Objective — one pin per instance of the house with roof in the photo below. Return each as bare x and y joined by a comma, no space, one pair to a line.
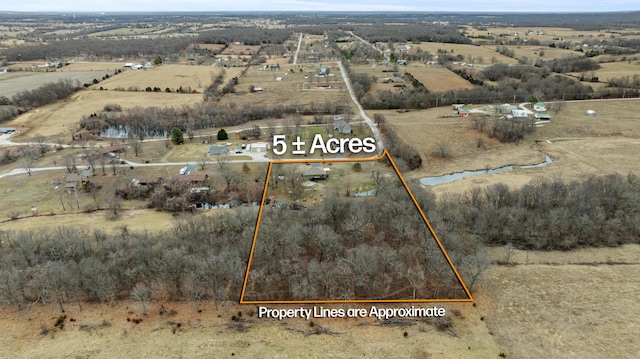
519,115
315,174
539,107
342,127
75,181
218,150
464,112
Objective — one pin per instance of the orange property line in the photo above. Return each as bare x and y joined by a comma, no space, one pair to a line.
415,202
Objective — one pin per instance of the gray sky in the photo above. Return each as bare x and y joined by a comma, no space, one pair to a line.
322,5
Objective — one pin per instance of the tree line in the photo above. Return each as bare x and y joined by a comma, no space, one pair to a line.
550,213
47,93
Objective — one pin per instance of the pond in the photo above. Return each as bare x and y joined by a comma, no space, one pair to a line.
436,180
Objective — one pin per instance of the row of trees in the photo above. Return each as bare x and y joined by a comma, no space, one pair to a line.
106,49
405,154
550,213
45,94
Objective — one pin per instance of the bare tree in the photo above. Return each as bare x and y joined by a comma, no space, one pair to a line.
137,147
141,294
29,155
70,162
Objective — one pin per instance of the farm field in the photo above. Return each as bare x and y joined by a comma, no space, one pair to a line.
164,76
586,299
619,69
580,144
13,82
471,53
533,52
436,78
56,120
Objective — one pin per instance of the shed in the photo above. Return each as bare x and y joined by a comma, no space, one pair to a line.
591,113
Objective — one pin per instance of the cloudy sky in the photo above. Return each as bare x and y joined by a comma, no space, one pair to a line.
322,5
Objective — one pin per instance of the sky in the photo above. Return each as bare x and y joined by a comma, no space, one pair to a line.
322,5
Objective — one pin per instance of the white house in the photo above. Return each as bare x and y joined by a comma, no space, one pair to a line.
539,107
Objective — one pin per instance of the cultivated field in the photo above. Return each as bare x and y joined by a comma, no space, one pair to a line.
13,82
164,76
58,119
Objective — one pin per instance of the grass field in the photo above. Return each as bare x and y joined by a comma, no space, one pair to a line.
471,53
212,334
615,70
14,82
58,119
287,91
171,76
580,304
437,78
580,144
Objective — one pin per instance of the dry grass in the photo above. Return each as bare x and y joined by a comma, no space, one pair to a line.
580,145
14,82
437,78
615,69
570,309
213,334
57,120
164,76
467,51
287,91
241,49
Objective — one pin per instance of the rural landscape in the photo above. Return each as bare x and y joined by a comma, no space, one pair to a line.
161,174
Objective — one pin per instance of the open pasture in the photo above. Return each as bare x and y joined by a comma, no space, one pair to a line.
436,78
241,49
164,76
13,82
57,120
471,53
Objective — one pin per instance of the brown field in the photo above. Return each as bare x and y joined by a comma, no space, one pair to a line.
578,304
14,82
211,46
470,52
56,120
97,66
437,79
241,49
212,334
288,91
171,76
615,70
580,144
533,52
